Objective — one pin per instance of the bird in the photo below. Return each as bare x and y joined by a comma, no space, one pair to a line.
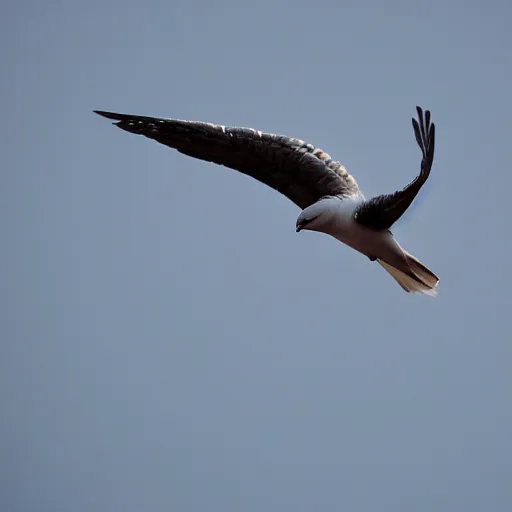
328,196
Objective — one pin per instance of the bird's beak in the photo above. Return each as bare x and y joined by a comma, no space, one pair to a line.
302,224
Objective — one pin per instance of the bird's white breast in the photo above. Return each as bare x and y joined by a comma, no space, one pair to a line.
344,228
342,213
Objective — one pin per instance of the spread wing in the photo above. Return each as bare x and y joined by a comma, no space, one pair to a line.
381,212
294,168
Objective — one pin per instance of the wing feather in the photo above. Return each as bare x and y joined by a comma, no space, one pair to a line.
298,170
381,212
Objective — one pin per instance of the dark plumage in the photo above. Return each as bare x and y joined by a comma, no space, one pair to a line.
298,170
381,212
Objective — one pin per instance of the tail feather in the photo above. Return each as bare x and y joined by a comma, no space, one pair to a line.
415,277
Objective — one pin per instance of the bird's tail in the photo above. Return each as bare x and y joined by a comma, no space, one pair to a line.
414,276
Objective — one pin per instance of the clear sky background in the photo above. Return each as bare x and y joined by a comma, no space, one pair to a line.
169,343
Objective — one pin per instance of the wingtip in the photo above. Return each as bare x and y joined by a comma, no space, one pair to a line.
108,115
421,111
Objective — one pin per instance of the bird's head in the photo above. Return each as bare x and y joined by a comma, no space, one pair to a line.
314,217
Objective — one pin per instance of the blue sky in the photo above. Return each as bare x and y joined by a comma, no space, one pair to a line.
170,343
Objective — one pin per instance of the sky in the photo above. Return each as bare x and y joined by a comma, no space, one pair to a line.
168,341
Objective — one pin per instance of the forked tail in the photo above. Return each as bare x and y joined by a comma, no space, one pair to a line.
414,277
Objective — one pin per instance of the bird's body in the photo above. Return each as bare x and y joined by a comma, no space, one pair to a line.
334,216
329,197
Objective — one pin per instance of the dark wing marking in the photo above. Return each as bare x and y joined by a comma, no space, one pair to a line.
381,212
298,170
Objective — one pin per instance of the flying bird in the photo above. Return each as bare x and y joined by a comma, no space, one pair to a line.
328,195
